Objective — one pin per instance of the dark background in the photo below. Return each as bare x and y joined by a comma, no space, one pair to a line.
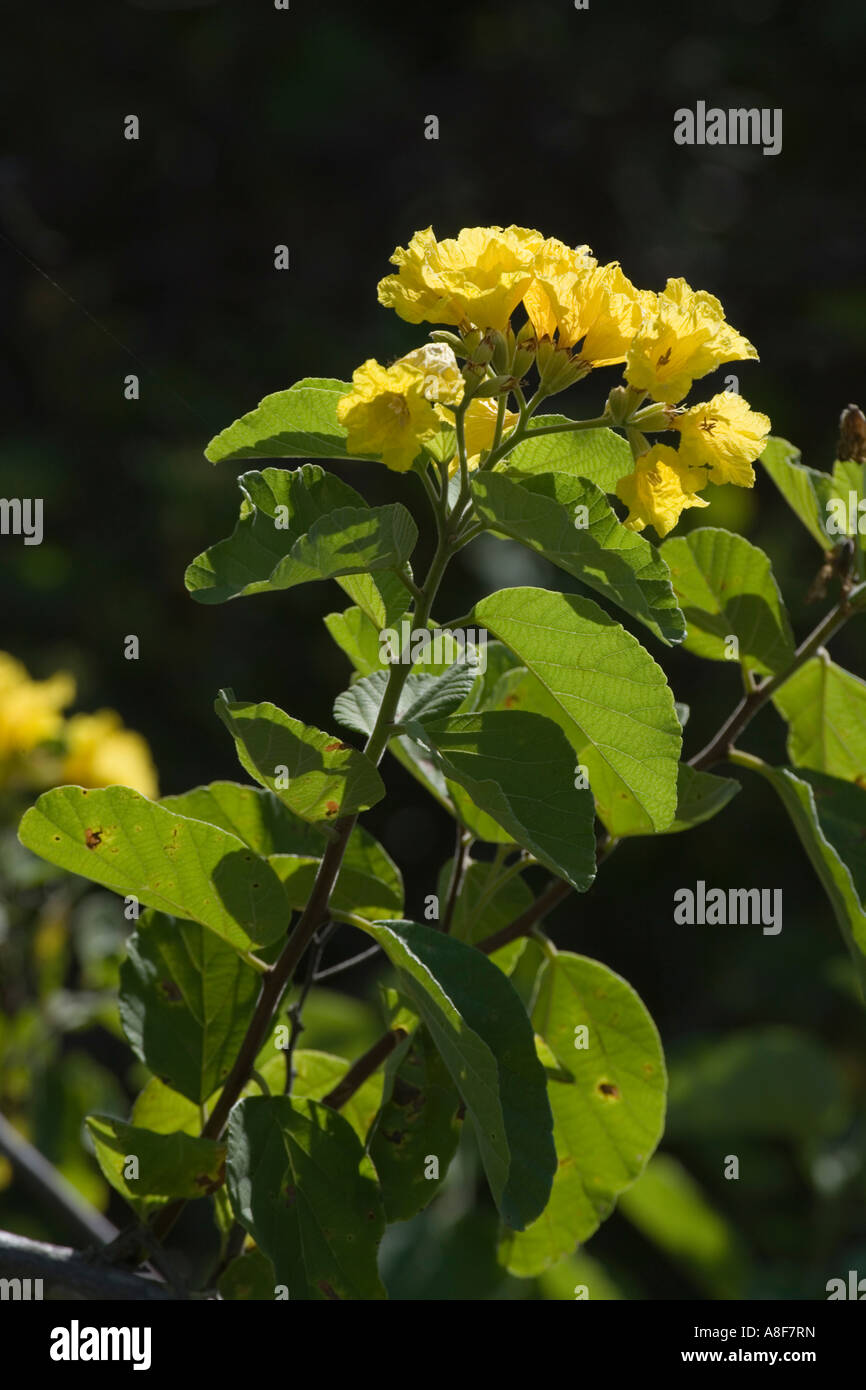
306,127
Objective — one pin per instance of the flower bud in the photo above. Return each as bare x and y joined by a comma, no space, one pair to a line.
495,385
557,368
525,347
456,344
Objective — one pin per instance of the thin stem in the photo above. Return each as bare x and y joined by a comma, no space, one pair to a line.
347,964
719,746
297,1009
359,1072
63,1268
463,841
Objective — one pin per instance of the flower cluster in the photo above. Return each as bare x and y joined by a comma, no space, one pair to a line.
579,316
39,747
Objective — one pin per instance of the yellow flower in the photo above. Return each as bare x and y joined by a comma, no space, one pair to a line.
100,752
479,429
684,336
723,436
30,710
659,490
387,413
477,279
596,306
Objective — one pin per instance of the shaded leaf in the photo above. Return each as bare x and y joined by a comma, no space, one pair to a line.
294,1181
168,1165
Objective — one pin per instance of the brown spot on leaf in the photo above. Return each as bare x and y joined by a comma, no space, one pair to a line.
607,1088
92,838
333,747
510,701
327,1290
648,1068
331,808
289,1196
394,1136
170,990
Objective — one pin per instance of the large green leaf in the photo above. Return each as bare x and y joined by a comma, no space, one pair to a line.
418,1123
186,999
829,816
519,769
184,867
541,511
293,1174
806,490
255,815
825,707
726,588
369,882
168,1165
608,1101
302,525
599,455
326,778
606,693
298,423
483,1034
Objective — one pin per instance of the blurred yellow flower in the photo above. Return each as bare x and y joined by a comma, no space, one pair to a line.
477,279
659,490
30,711
684,336
387,413
724,437
588,304
100,752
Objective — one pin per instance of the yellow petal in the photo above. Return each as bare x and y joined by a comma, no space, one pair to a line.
723,436
658,491
685,338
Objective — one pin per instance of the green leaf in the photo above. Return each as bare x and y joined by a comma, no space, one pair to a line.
294,1181
249,1277
825,707
669,1208
519,769
700,796
186,1000
302,525
418,1123
608,1101
255,815
168,1165
598,455
356,634
483,1034
298,423
118,838
828,816
806,490
760,1082
540,511
317,1073
727,589
369,882
606,693
326,778
165,1111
